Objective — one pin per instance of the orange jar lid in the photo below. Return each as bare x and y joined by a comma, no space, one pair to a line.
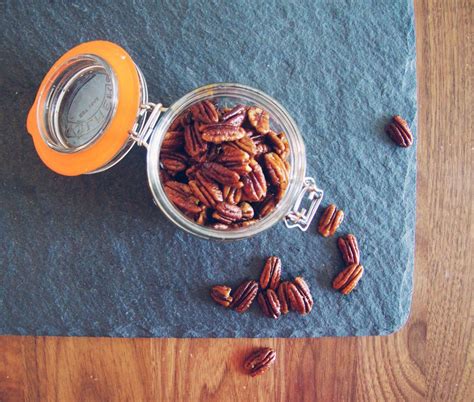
85,107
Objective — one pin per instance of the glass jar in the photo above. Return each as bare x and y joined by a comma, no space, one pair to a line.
92,107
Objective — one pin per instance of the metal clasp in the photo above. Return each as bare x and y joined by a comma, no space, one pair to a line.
299,216
146,121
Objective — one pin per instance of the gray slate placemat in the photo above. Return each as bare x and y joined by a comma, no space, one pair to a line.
92,255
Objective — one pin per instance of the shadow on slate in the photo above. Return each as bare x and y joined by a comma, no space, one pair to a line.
91,255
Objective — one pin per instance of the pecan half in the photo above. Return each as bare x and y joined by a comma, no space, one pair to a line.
174,162
267,206
232,195
259,118
400,132
349,249
330,221
227,213
234,159
181,195
260,361
201,218
244,296
173,141
283,297
269,303
271,273
245,144
194,145
206,190
205,112
347,280
235,116
245,224
219,133
221,174
299,296
221,295
277,171
255,184
247,210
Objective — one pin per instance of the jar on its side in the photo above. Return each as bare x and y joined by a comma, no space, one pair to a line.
229,95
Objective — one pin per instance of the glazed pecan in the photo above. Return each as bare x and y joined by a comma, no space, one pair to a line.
330,221
221,295
259,118
271,273
180,122
227,213
205,112
245,144
193,142
269,303
268,205
283,297
234,159
219,133
349,249
232,195
181,195
245,224
221,174
347,280
244,296
260,361
277,171
235,116
299,296
174,162
206,190
201,218
173,141
400,132
279,144
247,210
262,149
255,184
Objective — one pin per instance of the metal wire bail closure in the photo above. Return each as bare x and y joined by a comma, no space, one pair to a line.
300,217
146,122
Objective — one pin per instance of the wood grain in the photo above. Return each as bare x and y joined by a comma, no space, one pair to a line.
431,358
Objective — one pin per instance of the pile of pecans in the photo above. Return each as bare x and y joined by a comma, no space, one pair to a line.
274,298
224,167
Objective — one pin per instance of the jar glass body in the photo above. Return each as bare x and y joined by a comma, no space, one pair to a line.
226,94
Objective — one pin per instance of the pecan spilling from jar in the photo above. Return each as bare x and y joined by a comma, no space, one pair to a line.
260,361
330,221
400,132
349,249
221,295
271,273
234,165
244,296
269,303
300,297
347,280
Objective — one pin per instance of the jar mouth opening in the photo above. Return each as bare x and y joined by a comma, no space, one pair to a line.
234,94
77,103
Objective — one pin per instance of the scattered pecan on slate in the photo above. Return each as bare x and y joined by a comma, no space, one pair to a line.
283,297
330,221
271,273
400,132
269,303
221,295
300,297
347,280
349,249
259,361
244,296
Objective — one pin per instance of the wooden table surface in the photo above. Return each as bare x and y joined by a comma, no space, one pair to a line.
431,358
